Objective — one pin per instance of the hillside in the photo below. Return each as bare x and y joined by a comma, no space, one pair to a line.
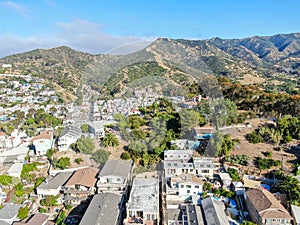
273,62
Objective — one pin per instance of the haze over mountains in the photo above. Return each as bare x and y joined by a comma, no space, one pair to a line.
168,64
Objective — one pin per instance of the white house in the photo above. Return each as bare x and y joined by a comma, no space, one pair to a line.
43,142
97,128
186,185
53,185
68,136
226,180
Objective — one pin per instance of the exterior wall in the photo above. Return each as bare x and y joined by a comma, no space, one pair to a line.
42,145
253,214
65,142
44,192
187,188
205,172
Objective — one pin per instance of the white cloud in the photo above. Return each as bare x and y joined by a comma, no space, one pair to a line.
80,35
14,6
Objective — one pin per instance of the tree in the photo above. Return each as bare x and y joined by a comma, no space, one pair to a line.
63,163
49,200
100,156
78,160
234,174
84,145
5,179
110,140
84,128
290,186
50,153
125,156
23,212
19,189
38,181
188,120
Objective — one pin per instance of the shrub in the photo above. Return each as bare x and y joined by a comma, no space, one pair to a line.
234,174
23,212
254,138
42,210
100,156
238,159
78,160
125,156
268,154
266,163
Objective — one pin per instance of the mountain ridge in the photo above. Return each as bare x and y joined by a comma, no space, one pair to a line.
250,60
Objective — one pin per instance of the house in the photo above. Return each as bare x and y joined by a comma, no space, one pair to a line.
265,209
177,162
9,212
68,136
43,142
295,210
36,219
53,185
204,166
143,204
225,180
12,141
103,209
214,212
97,128
80,186
15,170
114,176
187,214
186,185
181,155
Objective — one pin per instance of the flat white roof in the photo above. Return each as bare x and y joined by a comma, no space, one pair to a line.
15,168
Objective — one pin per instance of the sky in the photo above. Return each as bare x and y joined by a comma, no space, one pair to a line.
119,27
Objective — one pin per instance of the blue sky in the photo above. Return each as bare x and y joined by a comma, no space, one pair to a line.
101,26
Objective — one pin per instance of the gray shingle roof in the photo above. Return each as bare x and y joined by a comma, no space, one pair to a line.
119,168
55,182
9,211
103,209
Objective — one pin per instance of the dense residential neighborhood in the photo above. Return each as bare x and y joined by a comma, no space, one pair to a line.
144,159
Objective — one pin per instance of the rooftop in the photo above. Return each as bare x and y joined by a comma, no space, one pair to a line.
266,204
103,209
214,212
119,168
44,135
36,219
144,195
85,177
9,211
55,182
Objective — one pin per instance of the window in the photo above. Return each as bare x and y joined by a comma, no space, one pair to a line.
189,186
188,191
196,186
182,186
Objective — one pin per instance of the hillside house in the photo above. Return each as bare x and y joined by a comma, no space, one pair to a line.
68,136
80,186
265,209
43,142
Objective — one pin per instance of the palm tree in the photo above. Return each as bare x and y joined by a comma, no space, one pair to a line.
110,140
